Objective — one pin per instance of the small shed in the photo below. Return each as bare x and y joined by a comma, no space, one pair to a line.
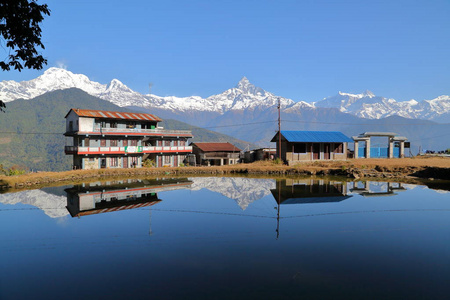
300,146
216,154
260,154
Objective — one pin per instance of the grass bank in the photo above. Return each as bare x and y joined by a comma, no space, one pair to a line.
421,167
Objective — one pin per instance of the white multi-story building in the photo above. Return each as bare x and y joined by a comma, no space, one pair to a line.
107,139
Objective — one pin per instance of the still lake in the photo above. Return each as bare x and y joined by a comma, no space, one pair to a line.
226,238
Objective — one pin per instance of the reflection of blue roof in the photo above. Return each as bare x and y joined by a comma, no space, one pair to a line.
315,200
315,136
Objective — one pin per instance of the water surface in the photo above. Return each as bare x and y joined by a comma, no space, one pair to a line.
226,238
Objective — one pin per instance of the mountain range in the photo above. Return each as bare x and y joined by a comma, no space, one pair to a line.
244,112
244,96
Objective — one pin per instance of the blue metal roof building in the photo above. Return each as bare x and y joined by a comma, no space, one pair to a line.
297,146
313,136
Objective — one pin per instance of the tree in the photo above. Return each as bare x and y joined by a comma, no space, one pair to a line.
20,30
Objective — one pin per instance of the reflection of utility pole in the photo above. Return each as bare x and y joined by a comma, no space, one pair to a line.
278,209
150,232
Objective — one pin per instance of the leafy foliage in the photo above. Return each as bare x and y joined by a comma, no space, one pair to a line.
19,26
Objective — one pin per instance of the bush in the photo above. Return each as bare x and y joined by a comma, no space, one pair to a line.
14,170
277,161
149,163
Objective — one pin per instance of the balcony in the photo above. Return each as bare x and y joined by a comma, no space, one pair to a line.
126,150
219,155
133,131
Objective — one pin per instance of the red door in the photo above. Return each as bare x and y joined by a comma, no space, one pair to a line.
159,161
125,162
326,151
316,151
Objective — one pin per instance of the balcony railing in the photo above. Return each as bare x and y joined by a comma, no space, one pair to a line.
127,149
139,130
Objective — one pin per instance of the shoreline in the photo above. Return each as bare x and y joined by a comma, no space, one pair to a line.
405,169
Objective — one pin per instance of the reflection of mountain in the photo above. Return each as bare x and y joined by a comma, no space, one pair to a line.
54,206
243,190
296,191
102,197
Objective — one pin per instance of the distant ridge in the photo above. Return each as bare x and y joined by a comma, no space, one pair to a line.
244,96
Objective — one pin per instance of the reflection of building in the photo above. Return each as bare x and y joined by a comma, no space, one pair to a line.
108,139
216,154
101,197
298,146
290,191
363,188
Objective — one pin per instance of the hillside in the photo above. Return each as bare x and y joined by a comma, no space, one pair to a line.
31,133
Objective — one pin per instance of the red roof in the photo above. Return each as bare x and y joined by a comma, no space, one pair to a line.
216,147
102,114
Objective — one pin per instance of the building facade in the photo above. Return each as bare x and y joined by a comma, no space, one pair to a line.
216,154
300,146
105,139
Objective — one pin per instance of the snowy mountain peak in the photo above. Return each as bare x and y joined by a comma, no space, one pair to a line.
369,94
243,83
246,87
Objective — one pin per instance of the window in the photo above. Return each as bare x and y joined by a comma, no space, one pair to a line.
125,143
167,159
113,162
159,143
133,142
113,143
131,124
175,143
102,143
182,143
338,148
300,148
166,143
113,124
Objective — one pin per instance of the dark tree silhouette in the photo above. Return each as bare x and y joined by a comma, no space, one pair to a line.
21,34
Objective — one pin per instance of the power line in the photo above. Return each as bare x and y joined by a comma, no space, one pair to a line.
243,124
358,124
12,132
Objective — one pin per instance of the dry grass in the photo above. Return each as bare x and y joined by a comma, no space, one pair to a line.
414,162
404,165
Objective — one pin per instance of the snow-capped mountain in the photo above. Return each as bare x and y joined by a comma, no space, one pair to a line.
367,105
243,97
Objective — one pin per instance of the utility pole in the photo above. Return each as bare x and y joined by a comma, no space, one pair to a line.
279,128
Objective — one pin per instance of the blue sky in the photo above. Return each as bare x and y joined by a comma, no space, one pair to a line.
303,50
